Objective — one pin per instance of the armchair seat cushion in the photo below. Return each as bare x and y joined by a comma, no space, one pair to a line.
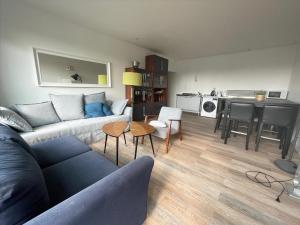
162,132
68,177
56,150
156,123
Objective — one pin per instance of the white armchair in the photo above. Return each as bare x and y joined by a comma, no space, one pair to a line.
167,124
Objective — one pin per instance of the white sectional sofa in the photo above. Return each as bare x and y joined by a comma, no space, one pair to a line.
82,116
87,130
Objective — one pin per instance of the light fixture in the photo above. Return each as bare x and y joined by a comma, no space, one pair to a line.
132,79
102,79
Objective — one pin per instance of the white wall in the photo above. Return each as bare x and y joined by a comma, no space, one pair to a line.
294,90
266,69
294,86
23,27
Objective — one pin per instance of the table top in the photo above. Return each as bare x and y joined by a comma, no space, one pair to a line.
268,101
115,129
141,129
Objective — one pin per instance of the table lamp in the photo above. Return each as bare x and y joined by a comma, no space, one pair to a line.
132,79
102,79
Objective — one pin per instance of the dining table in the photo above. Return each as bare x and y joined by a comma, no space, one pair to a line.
258,105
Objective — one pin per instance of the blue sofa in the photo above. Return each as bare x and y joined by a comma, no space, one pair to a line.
62,181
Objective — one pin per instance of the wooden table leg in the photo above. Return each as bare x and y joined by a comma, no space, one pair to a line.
136,145
117,150
105,143
151,144
124,138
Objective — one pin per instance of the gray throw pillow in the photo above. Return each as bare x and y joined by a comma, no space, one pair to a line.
68,107
97,97
38,114
118,106
14,120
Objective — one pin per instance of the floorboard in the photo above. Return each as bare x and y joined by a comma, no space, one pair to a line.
202,181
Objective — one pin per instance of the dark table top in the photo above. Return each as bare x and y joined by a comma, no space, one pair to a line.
268,101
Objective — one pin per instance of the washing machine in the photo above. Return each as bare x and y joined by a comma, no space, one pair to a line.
209,106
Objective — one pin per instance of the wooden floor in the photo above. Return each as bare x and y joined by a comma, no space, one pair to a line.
202,181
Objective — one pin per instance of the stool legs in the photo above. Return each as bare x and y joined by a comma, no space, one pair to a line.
249,131
227,134
258,137
219,119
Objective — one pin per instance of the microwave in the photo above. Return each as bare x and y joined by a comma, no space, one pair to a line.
277,94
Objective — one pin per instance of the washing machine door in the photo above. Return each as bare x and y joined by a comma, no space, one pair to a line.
209,106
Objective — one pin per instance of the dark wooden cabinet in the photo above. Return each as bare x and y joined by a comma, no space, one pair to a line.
156,64
152,95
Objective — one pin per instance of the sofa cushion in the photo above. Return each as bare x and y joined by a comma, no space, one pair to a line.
118,106
94,110
106,109
23,193
59,149
71,176
68,107
87,130
14,120
7,133
97,97
38,114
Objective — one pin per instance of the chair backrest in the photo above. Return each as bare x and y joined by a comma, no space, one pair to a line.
284,116
241,111
167,113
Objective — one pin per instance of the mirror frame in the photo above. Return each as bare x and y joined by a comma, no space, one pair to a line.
40,83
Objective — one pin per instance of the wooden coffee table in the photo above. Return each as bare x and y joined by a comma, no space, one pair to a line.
115,129
140,129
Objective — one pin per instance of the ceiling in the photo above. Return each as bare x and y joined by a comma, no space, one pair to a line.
184,29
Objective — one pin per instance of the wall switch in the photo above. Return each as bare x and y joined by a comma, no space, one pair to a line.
196,78
69,68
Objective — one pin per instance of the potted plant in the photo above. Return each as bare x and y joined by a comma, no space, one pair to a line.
260,95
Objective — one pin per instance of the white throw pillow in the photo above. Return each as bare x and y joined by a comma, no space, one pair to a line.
156,123
14,120
38,114
118,106
68,107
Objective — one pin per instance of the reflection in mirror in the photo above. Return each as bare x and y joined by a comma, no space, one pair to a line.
56,69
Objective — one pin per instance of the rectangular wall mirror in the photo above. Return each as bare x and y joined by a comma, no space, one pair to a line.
62,70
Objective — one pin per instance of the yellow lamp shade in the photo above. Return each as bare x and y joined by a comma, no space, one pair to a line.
102,79
131,78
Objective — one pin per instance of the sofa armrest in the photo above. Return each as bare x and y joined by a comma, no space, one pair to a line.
128,112
119,198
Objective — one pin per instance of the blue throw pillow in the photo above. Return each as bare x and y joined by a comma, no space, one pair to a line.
93,110
106,109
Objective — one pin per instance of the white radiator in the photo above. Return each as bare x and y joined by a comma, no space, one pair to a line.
189,103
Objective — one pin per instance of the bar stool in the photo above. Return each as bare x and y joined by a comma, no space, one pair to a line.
283,117
240,112
220,114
